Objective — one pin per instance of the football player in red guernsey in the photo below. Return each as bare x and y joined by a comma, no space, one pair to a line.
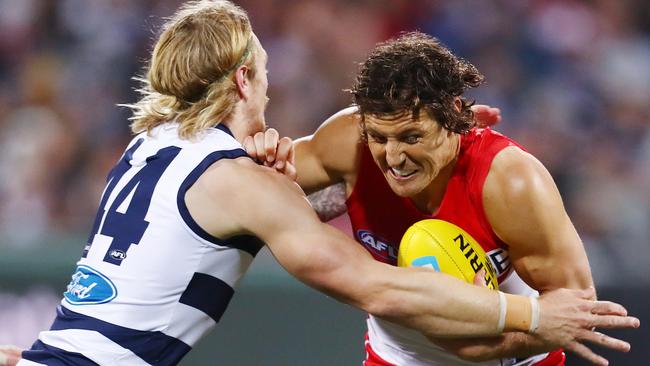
409,150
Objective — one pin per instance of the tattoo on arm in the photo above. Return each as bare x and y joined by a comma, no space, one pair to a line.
329,202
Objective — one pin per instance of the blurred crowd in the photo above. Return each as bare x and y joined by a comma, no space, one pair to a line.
572,79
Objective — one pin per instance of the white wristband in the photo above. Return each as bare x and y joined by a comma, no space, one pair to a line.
534,318
503,305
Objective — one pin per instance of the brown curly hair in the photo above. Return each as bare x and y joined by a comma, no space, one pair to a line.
412,72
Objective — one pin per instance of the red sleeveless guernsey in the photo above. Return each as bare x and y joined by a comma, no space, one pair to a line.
379,218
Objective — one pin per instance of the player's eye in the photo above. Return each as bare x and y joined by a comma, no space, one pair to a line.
377,138
412,139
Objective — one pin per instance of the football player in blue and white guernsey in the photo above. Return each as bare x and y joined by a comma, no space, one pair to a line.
185,211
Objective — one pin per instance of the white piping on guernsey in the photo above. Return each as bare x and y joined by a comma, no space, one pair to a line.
96,346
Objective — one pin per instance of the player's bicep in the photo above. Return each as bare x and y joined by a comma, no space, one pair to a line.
312,174
284,219
525,209
330,155
312,251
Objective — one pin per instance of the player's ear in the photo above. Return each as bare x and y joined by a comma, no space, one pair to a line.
458,104
242,81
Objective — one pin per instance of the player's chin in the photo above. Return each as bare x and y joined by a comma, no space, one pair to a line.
404,188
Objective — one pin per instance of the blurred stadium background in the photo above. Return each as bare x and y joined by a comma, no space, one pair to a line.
571,77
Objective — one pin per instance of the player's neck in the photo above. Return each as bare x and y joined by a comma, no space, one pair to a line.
238,131
238,124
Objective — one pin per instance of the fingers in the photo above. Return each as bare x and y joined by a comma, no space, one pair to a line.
479,278
255,146
264,147
9,355
290,171
258,140
12,350
485,115
608,308
271,137
584,352
613,321
13,360
284,153
269,149
291,156
606,341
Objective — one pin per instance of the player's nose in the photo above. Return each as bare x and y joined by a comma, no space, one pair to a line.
395,157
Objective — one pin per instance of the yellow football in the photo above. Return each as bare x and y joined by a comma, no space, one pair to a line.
446,248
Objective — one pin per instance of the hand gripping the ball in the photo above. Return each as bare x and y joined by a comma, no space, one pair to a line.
568,319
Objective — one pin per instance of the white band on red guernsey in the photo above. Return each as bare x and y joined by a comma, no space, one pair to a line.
503,306
534,318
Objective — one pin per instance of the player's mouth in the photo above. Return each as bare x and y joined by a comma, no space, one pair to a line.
401,174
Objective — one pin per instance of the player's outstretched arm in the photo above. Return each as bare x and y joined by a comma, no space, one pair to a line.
255,200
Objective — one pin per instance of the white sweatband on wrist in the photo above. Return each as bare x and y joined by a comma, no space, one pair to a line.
503,305
534,317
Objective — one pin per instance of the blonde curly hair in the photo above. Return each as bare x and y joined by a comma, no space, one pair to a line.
189,78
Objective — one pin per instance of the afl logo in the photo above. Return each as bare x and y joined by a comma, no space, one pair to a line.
118,255
377,246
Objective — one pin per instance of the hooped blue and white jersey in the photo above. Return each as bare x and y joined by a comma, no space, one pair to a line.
150,282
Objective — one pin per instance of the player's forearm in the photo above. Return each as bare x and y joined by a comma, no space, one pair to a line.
436,304
439,305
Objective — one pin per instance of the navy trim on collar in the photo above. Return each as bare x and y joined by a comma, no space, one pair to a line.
247,243
225,129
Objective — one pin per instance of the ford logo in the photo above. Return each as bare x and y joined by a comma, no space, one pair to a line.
89,287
